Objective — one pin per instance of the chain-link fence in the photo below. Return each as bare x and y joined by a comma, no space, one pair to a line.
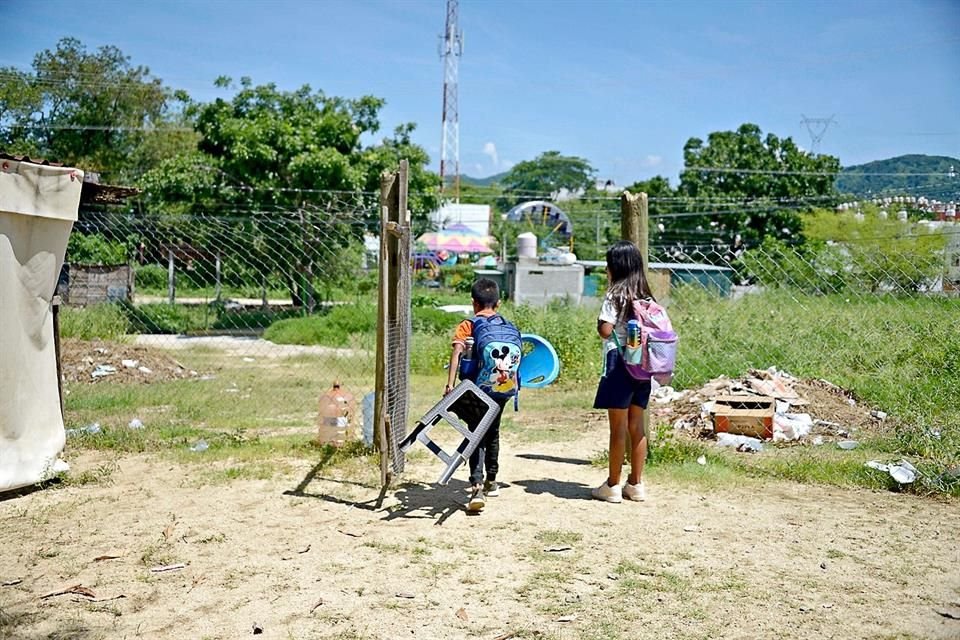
248,316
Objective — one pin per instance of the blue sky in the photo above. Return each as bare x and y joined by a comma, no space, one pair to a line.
622,84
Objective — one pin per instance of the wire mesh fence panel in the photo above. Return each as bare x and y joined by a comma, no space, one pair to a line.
229,320
782,306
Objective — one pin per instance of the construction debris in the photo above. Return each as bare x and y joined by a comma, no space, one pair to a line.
766,403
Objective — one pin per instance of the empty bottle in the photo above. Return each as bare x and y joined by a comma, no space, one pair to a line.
336,416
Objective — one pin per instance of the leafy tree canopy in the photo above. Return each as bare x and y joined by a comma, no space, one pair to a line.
765,174
547,173
94,110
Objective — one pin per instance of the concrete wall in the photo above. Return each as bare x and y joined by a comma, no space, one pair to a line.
531,283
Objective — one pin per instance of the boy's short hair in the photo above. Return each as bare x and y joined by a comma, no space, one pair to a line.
486,293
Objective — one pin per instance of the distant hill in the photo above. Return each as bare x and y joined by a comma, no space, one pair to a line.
940,187
483,182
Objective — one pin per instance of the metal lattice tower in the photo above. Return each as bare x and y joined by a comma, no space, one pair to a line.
817,128
451,48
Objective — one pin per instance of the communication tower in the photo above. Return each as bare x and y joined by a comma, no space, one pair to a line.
451,48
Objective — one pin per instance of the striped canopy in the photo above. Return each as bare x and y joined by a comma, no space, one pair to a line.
457,238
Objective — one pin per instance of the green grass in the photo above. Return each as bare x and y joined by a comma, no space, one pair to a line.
901,355
99,322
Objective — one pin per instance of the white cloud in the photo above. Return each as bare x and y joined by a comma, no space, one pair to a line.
490,149
652,161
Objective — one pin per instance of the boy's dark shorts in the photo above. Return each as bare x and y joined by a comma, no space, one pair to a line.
618,389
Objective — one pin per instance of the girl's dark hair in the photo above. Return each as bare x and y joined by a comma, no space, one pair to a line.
628,281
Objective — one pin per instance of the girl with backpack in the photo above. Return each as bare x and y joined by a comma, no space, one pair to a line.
624,397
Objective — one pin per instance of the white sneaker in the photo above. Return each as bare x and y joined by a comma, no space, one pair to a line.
607,493
636,492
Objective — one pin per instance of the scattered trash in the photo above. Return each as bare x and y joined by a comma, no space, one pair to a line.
691,529
662,395
102,370
318,604
569,618
739,442
557,549
248,359
817,441
902,472
702,460
848,445
791,426
879,415
851,402
199,445
168,567
144,370
823,565
404,594
10,583
90,429
257,629
77,589
352,534
102,558
947,613
462,614
130,364
207,377
612,576
135,424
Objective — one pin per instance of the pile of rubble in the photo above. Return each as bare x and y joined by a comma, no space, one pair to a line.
799,410
97,361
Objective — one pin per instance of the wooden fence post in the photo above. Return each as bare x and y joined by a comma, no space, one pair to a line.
634,227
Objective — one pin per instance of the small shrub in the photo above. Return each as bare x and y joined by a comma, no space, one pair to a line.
105,321
95,249
150,277
332,329
434,321
165,318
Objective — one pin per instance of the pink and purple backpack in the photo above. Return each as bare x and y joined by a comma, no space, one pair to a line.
656,355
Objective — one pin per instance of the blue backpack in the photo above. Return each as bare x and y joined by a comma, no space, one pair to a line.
497,351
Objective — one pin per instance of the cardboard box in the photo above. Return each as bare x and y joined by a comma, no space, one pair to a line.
744,415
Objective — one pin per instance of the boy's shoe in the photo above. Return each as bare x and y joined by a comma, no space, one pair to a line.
491,489
607,493
636,492
477,501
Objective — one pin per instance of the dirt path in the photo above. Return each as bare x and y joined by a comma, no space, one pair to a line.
311,557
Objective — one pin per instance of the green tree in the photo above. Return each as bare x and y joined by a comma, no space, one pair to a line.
283,163
749,184
546,174
94,110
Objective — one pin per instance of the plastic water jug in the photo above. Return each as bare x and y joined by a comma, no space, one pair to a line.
335,422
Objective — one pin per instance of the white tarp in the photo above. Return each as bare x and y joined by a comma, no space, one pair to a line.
38,206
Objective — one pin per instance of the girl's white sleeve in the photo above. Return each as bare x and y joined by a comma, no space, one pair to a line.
608,312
